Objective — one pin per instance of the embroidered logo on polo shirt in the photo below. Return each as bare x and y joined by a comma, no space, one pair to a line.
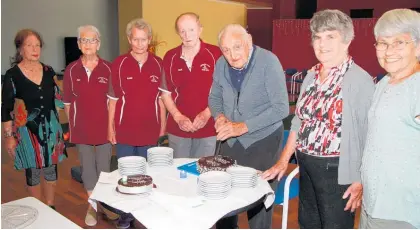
205,67
129,78
78,79
179,70
103,80
153,78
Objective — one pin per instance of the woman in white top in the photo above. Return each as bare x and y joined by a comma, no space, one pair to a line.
391,159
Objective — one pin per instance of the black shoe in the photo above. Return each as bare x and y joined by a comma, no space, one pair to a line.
52,206
123,224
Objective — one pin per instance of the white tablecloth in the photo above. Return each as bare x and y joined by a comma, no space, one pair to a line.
175,203
47,217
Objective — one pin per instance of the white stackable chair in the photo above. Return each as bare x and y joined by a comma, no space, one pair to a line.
286,192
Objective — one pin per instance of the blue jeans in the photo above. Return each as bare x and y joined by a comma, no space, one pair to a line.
124,150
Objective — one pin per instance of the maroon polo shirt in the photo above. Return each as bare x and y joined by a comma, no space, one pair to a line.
137,115
190,88
88,102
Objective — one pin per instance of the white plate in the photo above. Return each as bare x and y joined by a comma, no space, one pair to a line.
213,188
17,216
244,180
133,171
241,170
160,151
132,168
214,185
133,164
131,159
160,165
161,160
215,177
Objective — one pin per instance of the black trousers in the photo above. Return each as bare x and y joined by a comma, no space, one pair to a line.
261,155
320,196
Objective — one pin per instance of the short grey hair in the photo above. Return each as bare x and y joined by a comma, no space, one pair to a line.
91,28
398,21
232,28
329,20
140,24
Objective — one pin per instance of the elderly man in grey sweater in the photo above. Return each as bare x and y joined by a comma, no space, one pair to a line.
248,101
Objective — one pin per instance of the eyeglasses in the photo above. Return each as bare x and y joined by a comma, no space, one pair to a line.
88,40
398,45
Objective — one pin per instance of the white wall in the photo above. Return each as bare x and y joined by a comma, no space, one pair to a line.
54,20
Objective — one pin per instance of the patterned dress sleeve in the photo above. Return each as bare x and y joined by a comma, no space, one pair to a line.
7,98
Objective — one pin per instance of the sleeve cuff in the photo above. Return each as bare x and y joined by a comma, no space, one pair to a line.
66,103
112,98
250,126
164,90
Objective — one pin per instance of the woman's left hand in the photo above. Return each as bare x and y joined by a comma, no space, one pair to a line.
355,191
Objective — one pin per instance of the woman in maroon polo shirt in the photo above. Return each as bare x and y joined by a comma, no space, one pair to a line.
137,117
86,92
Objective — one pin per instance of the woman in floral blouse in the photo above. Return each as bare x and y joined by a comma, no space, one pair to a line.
32,132
329,128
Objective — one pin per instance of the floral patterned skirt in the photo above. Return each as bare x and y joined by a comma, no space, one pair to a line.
41,146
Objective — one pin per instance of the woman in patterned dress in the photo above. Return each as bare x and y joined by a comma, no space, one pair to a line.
329,128
32,132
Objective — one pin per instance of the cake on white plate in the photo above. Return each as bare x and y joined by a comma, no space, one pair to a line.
135,184
214,163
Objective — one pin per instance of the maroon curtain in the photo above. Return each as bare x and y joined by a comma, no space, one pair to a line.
292,44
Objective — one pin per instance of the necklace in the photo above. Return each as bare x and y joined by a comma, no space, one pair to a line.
30,69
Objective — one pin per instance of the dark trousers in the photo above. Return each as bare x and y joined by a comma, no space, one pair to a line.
261,155
320,196
124,150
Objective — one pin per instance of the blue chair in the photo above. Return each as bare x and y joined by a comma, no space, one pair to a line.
291,71
288,188
304,72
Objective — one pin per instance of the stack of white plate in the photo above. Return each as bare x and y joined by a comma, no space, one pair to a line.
243,177
214,185
160,156
17,216
132,165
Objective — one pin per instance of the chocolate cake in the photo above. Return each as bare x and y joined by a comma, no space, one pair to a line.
214,163
135,184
